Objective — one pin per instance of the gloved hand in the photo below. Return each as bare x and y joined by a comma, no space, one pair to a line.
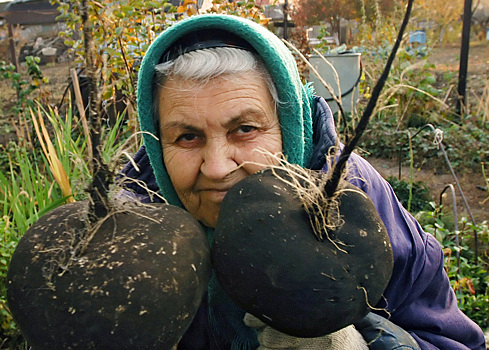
382,334
347,338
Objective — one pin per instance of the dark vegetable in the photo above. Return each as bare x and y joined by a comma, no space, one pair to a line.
134,280
269,260
98,276
305,267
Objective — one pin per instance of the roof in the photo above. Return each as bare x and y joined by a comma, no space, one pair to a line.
30,12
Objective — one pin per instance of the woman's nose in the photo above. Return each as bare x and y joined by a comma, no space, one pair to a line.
218,161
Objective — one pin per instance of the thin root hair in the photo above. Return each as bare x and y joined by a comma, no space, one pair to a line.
323,211
373,307
151,193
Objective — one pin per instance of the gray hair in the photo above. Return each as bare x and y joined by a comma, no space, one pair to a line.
206,64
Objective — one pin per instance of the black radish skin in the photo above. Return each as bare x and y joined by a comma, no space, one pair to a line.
269,261
137,283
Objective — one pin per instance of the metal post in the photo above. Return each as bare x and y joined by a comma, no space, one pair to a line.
286,15
464,59
13,55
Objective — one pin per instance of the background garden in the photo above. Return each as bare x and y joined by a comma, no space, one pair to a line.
434,154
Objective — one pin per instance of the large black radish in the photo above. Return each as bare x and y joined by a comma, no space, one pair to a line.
102,274
133,280
306,253
274,263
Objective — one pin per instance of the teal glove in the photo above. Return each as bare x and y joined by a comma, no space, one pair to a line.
382,334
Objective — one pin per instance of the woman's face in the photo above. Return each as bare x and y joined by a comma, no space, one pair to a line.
209,132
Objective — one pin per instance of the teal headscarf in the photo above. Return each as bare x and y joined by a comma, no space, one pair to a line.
295,115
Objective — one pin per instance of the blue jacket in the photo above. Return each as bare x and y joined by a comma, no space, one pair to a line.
419,297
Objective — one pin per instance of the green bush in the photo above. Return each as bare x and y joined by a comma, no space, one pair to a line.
468,277
20,205
414,197
24,88
467,146
416,94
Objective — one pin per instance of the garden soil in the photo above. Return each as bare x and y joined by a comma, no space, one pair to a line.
445,58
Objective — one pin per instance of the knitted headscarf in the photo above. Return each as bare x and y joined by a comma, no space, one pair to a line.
295,116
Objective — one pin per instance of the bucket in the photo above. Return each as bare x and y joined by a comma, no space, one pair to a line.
417,37
49,51
348,68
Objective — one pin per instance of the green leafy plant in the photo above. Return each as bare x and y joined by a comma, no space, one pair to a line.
57,157
64,149
123,34
486,180
469,278
21,204
415,197
23,87
467,145
27,87
246,8
10,336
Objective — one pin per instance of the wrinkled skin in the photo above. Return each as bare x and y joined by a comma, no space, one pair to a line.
211,135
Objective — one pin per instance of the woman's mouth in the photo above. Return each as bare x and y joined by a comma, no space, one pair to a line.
215,195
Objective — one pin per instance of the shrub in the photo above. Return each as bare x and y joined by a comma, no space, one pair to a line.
468,277
414,197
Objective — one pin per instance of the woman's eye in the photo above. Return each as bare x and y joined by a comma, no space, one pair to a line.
243,129
188,137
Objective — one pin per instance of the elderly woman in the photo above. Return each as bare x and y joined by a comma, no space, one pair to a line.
214,89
